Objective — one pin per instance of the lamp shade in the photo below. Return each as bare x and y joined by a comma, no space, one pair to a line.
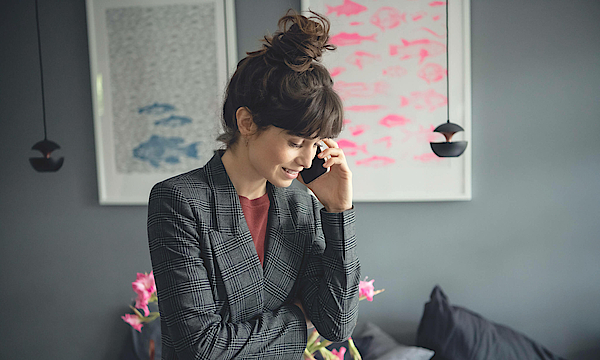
448,148
46,163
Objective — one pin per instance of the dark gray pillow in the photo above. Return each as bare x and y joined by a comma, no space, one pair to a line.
372,341
375,344
456,333
403,352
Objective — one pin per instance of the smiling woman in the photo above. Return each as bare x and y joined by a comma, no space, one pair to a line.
243,262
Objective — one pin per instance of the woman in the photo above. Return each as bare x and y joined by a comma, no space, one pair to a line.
243,264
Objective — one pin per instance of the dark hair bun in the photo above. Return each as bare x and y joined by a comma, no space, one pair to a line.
284,85
299,41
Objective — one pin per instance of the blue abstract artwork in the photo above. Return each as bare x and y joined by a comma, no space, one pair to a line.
162,57
173,121
156,109
160,149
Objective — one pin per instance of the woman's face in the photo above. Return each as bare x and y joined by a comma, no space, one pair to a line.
278,156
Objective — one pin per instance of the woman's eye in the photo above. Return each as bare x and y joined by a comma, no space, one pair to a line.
292,144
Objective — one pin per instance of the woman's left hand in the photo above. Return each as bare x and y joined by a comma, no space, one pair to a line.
333,189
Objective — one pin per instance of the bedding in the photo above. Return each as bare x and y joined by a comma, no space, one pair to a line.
456,333
375,344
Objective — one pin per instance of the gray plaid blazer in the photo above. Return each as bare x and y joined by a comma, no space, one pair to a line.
216,300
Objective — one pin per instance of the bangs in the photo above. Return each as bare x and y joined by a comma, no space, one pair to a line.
322,118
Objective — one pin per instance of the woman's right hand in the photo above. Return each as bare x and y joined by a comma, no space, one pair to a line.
333,189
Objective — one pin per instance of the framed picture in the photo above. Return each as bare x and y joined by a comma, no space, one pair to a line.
158,69
390,70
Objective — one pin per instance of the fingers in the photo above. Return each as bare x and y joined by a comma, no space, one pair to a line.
335,159
332,149
333,154
330,143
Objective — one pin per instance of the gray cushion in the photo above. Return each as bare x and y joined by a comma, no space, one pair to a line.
456,333
375,344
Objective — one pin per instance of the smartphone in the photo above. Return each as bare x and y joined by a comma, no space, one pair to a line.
315,170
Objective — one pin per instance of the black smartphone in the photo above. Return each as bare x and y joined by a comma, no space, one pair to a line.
315,170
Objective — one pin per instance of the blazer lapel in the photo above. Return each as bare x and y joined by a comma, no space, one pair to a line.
234,250
284,250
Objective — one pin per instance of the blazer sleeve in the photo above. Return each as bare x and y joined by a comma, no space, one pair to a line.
329,288
186,302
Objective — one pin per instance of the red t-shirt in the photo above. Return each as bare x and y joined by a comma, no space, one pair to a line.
256,212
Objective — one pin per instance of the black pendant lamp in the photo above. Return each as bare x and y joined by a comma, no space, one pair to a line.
46,147
448,129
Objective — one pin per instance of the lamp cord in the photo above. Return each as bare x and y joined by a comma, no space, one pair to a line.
37,21
447,68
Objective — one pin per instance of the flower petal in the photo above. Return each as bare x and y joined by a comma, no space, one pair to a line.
339,353
134,321
366,289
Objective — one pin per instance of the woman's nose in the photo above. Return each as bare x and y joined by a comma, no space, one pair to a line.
306,158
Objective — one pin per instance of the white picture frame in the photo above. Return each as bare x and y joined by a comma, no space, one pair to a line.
394,163
158,73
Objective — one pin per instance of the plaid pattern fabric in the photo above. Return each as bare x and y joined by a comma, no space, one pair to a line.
216,300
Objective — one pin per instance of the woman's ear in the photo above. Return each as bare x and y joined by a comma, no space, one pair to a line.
245,124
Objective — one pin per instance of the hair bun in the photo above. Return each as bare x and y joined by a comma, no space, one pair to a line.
299,41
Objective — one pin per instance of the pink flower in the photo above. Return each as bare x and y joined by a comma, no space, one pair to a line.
133,320
144,286
366,289
340,353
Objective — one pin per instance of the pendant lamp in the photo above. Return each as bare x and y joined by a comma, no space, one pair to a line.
46,147
448,148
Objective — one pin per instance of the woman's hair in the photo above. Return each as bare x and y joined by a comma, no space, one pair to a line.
284,84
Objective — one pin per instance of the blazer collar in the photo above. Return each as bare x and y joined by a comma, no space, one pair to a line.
282,243
230,216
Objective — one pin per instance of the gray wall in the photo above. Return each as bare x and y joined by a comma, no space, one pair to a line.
524,252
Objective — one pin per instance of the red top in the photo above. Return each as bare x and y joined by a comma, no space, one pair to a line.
256,212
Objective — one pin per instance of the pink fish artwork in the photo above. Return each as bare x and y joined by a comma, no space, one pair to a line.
387,18
376,161
359,89
358,129
432,73
418,15
428,99
351,148
423,134
355,23
427,157
436,17
422,49
336,71
387,140
394,71
437,3
345,39
393,120
364,108
441,36
348,8
362,58
346,121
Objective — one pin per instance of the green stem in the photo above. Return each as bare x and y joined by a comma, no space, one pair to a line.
307,355
353,350
327,354
320,345
312,338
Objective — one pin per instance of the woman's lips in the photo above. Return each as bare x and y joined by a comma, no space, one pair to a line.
292,174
